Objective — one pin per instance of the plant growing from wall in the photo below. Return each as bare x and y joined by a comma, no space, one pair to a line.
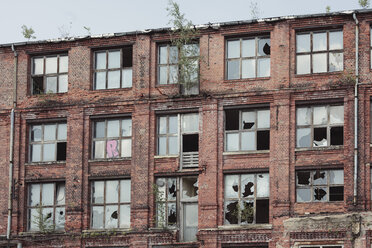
159,218
43,222
364,3
28,32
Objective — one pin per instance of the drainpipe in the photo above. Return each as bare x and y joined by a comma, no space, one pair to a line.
11,142
356,108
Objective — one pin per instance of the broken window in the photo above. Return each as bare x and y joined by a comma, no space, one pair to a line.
110,204
247,199
319,126
112,138
178,208
46,206
113,68
319,52
247,130
49,74
320,185
48,142
248,58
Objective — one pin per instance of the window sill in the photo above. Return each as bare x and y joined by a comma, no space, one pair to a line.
107,231
46,163
244,80
246,152
114,89
324,148
318,74
33,233
109,159
166,85
246,227
166,156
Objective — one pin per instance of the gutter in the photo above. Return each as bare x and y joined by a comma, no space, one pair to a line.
356,108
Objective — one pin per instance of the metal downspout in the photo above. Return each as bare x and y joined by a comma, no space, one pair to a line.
356,108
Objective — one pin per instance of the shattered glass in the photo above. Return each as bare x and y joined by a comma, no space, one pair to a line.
189,188
263,185
172,189
172,214
36,133
303,116
111,216
320,137
247,184
97,217
232,212
303,137
263,47
248,120
231,186
336,62
48,217
303,178
320,194
60,218
247,212
320,177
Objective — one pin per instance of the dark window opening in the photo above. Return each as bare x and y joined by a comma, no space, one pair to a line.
127,56
247,212
232,119
263,140
336,193
190,142
232,213
303,178
337,135
262,208
248,189
320,136
38,85
61,151
319,194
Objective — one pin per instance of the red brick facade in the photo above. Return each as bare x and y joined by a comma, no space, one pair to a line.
291,223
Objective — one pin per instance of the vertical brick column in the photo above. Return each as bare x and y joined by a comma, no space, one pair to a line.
141,66
140,167
74,170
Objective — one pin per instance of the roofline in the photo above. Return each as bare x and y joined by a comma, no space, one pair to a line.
202,26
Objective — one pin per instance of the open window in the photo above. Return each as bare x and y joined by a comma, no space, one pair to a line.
48,142
319,126
246,199
113,68
177,205
49,74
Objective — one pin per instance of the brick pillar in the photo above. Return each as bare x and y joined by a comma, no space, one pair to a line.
141,66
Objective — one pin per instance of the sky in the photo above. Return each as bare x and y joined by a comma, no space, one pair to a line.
52,19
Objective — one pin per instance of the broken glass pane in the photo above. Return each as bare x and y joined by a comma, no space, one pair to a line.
303,195
63,64
336,115
125,190
172,214
51,85
263,67
173,55
49,152
36,133
248,68
100,80
51,65
263,119
126,127
113,80
62,131
161,191
113,128
99,148
303,116
112,191
263,185
247,211
249,48
162,146
34,197
49,132
161,213
233,49
232,212
231,186
303,64
112,148
101,60
189,188
60,198
48,217
98,192
319,62
336,177
126,148
232,140
303,137
173,124
114,59
60,218
320,137
319,41
111,216
247,185
38,66
336,62
336,40
173,74
163,72
248,141
97,218
35,153
62,83
47,194
320,177
303,178
190,123
173,145
124,216
127,78
320,194
233,69
320,115
302,44
248,120
172,189
263,47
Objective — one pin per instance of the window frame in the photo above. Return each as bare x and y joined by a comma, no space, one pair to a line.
55,205
106,70
311,185
328,125
256,57
328,51
45,75
240,199
104,139
104,204
242,130
42,142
